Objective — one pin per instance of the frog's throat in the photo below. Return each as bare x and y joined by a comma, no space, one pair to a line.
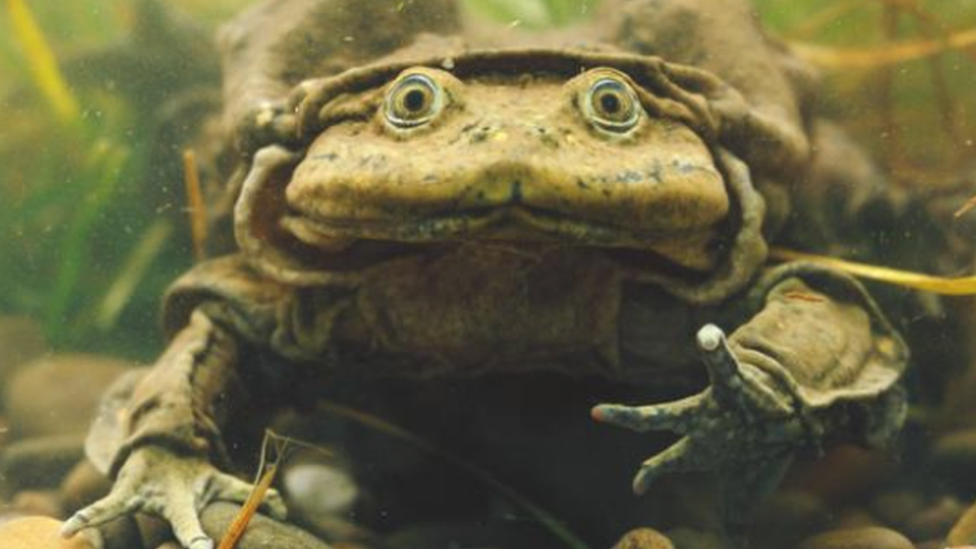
275,250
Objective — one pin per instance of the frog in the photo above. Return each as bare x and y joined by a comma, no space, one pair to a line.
421,197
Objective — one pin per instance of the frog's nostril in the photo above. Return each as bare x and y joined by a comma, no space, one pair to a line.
481,133
545,135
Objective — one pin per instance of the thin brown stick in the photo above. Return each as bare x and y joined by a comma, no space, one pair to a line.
935,27
265,477
966,208
237,528
891,136
197,207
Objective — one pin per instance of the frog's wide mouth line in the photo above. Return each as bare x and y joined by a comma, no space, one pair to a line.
509,223
375,243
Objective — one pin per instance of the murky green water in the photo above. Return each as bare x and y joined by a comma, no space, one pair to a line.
103,100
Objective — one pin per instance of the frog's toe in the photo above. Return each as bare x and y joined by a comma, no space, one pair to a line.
679,416
107,509
724,370
224,487
740,383
179,511
677,457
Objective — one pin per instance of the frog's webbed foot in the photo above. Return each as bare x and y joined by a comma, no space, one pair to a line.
176,488
743,427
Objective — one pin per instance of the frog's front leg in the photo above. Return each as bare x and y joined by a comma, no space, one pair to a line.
171,427
817,361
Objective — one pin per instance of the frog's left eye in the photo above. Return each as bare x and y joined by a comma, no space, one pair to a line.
612,105
414,101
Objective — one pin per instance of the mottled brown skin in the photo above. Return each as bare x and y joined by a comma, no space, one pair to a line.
508,219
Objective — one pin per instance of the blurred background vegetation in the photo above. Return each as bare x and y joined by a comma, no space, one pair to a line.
93,216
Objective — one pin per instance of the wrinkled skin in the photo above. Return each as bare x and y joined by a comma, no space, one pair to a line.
446,207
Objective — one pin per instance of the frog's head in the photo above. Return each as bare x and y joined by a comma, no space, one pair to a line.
531,149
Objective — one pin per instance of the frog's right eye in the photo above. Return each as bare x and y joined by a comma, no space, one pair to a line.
413,101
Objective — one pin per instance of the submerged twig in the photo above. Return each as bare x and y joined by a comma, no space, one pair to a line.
886,94
935,28
196,205
266,475
965,208
891,54
267,469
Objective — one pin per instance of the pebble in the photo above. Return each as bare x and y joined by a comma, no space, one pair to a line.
38,463
842,474
22,340
855,517
121,533
897,506
955,454
686,538
37,533
935,521
9,515
789,516
36,503
964,531
261,533
872,537
644,538
489,533
316,488
153,531
59,394
84,485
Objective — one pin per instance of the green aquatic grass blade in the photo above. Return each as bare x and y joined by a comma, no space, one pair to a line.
133,272
550,522
41,61
107,163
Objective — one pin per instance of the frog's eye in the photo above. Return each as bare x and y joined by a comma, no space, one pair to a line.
413,101
612,105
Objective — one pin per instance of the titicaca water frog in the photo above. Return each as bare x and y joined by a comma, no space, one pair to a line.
421,198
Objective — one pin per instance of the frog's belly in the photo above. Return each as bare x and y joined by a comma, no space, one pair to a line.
493,309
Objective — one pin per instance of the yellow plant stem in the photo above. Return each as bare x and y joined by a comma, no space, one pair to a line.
936,284
41,61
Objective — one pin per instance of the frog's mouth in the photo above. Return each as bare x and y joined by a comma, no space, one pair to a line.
510,225
303,250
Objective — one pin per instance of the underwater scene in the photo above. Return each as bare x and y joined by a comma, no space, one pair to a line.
488,274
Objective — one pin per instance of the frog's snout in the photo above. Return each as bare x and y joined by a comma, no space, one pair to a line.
526,133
